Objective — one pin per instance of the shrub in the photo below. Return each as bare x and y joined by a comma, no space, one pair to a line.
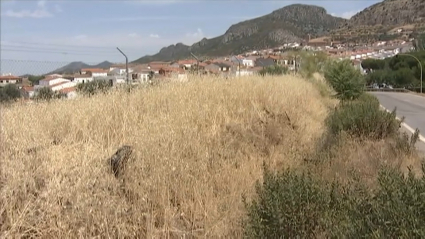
288,205
273,70
364,119
395,209
347,81
47,94
9,93
93,87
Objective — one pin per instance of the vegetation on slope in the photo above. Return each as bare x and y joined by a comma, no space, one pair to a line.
348,188
199,148
399,71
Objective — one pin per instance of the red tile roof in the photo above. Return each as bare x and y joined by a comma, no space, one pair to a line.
9,77
28,88
94,70
67,90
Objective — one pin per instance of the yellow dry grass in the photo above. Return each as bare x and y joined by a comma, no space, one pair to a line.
198,148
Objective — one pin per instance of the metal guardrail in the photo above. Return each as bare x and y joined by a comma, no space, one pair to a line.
389,90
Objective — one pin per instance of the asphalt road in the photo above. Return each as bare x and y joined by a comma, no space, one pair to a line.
411,106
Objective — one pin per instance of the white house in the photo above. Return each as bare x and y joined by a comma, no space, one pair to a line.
70,92
248,62
9,79
49,81
55,84
120,71
94,72
82,79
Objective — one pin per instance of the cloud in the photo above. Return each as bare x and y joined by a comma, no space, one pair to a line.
40,12
133,35
154,35
197,34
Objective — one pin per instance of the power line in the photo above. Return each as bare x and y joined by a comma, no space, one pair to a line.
40,62
57,52
60,45
57,49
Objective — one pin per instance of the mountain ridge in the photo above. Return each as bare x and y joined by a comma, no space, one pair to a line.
294,22
77,66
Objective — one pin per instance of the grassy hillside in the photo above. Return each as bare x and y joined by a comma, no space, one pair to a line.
198,149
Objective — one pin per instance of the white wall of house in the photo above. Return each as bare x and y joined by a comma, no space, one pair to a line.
63,86
31,93
82,79
49,82
120,81
247,62
71,94
144,77
97,74
4,82
244,73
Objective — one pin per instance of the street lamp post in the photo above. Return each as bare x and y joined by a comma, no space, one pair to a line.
420,64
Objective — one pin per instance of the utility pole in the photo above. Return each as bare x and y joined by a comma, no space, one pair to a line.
420,64
197,62
126,65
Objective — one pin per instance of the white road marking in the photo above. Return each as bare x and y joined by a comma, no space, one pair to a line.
421,138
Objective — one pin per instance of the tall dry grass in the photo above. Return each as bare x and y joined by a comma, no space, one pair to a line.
199,148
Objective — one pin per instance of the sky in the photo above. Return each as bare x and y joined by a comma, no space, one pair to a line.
49,33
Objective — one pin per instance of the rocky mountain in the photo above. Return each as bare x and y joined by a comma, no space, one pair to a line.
390,13
288,24
78,65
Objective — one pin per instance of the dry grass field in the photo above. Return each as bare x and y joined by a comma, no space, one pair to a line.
198,148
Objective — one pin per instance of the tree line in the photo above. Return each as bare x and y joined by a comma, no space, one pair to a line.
400,71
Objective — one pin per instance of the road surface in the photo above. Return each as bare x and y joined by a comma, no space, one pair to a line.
411,106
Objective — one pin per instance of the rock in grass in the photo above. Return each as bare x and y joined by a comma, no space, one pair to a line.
119,160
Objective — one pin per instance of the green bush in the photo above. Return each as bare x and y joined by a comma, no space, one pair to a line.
9,93
291,205
93,87
288,205
347,81
396,209
363,118
273,70
369,98
47,94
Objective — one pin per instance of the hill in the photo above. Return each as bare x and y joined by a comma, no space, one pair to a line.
78,65
288,24
390,13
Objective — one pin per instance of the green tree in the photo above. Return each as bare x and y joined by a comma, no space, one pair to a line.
9,93
377,76
45,93
373,64
404,77
273,70
347,81
93,87
312,63
35,79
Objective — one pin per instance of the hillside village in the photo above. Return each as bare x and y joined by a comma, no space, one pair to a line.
245,64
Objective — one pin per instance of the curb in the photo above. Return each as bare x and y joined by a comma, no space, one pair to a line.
410,129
